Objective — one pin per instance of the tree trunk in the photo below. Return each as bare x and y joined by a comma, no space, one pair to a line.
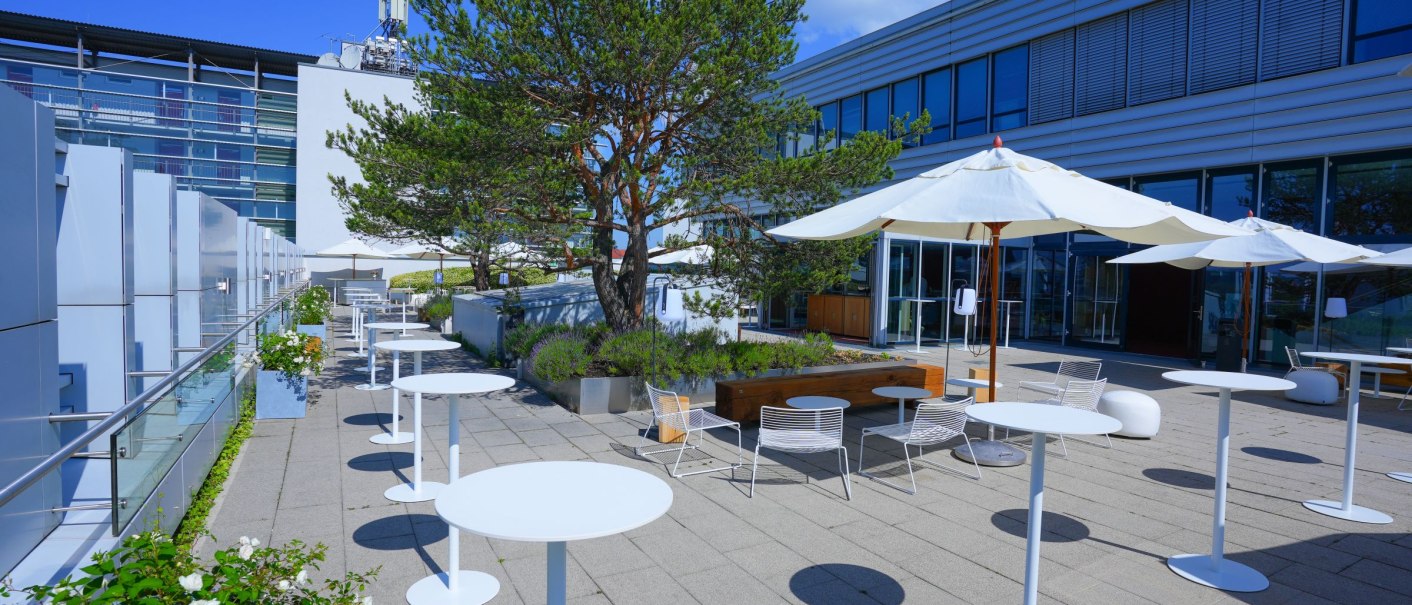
621,295
482,270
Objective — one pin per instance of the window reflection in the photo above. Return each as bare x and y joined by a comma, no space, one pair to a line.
936,98
970,98
1180,190
1371,196
1291,195
1230,194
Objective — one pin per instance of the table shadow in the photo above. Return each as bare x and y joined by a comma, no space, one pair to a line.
1181,478
404,532
844,583
1281,455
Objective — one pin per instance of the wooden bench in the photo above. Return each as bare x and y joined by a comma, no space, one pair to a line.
741,400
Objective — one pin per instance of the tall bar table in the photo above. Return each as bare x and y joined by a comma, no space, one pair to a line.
1040,419
1345,508
1214,569
416,348
373,384
454,585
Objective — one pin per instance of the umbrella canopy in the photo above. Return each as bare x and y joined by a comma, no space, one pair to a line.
424,252
1267,243
352,248
695,255
1400,258
979,196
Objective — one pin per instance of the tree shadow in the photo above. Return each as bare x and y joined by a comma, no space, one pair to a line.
829,583
1180,478
1281,455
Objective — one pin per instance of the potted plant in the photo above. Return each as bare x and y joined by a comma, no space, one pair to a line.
311,309
286,359
438,312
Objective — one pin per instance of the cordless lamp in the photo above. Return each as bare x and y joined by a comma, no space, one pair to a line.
1335,308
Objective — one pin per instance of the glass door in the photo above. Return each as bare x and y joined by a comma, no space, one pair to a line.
901,288
1097,290
1047,279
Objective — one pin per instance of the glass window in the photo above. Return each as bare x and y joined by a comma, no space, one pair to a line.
173,154
227,168
850,121
905,101
20,77
936,99
1230,194
1046,302
1010,90
828,124
1381,28
1371,196
228,111
805,145
970,98
1181,189
875,118
1291,195
1284,314
172,107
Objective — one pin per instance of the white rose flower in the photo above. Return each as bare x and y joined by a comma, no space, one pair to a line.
303,577
245,551
192,582
284,585
367,601
244,540
206,602
254,541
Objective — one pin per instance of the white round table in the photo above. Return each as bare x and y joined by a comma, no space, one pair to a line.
1345,508
1404,477
447,587
451,385
1040,419
902,394
373,327
1403,350
416,348
816,402
1214,569
553,502
971,384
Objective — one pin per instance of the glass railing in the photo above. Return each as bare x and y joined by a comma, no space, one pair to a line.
198,412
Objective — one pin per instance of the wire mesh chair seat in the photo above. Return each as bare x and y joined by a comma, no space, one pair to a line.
666,409
1296,363
1082,395
802,432
934,422
1068,370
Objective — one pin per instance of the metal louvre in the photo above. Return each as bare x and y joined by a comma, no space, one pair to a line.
1158,52
1300,36
1224,41
1101,65
1051,77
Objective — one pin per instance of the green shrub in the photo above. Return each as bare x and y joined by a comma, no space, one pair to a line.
425,281
561,358
751,358
630,354
312,307
521,340
438,308
523,276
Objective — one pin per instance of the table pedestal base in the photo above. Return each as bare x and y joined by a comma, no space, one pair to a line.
1404,477
373,387
1354,513
1225,575
391,438
990,453
406,493
474,588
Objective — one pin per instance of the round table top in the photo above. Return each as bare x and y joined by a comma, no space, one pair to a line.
417,345
553,501
1403,350
1359,357
973,383
1378,370
816,402
1234,381
902,392
453,383
1043,418
396,325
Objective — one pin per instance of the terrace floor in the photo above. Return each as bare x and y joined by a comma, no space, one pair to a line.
1112,516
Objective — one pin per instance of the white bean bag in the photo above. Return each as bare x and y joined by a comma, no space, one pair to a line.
1140,414
1313,386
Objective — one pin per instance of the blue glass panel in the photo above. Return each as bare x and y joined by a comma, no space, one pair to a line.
877,110
936,98
1011,97
828,122
905,100
850,117
970,97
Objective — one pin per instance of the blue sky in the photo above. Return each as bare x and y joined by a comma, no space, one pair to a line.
307,25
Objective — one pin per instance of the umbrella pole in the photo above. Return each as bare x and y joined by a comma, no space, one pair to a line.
989,452
355,266
994,296
1245,331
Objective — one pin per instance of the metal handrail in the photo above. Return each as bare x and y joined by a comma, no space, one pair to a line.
33,475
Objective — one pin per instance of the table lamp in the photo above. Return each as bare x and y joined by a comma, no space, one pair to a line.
1335,308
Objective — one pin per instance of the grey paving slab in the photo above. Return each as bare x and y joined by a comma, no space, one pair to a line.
1113,515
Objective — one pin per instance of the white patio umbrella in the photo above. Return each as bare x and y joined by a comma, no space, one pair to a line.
1400,258
1267,243
999,191
425,252
352,248
694,255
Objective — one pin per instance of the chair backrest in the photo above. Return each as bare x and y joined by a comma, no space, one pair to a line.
1294,362
938,420
667,407
1083,394
791,430
1077,370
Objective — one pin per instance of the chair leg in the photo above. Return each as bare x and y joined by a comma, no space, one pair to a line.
684,443
911,475
753,468
843,460
1064,449
973,458
1402,403
700,439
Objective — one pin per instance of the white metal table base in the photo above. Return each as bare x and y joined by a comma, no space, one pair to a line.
373,384
1215,570
418,490
1346,509
463,588
396,437
453,535
1036,519
1403,477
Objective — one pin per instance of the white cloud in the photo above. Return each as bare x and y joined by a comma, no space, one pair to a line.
838,21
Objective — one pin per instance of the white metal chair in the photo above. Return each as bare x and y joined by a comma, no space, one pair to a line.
1068,370
666,409
1083,395
934,422
802,432
1296,364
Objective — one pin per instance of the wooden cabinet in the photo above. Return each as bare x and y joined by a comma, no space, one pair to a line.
840,315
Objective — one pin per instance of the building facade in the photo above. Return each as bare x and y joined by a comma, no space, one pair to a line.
220,118
1288,109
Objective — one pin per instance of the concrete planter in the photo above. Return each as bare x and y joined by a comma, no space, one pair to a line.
279,397
620,394
317,330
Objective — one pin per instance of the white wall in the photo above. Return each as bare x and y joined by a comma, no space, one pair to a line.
322,108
